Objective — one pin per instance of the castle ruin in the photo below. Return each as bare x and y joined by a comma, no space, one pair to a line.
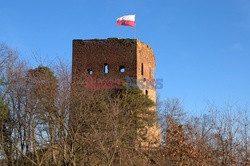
117,58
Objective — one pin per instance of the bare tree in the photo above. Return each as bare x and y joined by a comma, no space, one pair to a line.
48,119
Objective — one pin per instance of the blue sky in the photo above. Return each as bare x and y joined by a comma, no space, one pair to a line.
202,47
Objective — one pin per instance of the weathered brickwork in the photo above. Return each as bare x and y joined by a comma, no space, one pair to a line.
93,54
116,58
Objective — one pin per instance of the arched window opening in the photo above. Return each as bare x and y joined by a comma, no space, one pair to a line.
90,71
141,68
106,68
122,69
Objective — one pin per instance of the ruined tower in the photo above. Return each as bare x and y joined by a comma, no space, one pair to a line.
117,58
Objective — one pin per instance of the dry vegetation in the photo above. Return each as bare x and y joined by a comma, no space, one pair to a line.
44,121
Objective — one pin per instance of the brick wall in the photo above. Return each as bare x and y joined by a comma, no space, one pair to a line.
91,56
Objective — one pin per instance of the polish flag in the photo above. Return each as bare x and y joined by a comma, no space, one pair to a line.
128,20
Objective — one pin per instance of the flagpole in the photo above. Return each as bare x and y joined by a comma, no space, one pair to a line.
135,33
135,26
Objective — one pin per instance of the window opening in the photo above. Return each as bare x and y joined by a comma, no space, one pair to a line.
141,68
106,68
122,69
90,71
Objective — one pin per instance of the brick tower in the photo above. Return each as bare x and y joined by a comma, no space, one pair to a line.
117,58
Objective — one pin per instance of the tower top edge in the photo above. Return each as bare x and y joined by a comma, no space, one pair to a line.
96,39
110,39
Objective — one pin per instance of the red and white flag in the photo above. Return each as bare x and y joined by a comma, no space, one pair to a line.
128,20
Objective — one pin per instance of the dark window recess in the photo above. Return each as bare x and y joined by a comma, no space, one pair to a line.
106,68
122,69
141,68
90,71
146,92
